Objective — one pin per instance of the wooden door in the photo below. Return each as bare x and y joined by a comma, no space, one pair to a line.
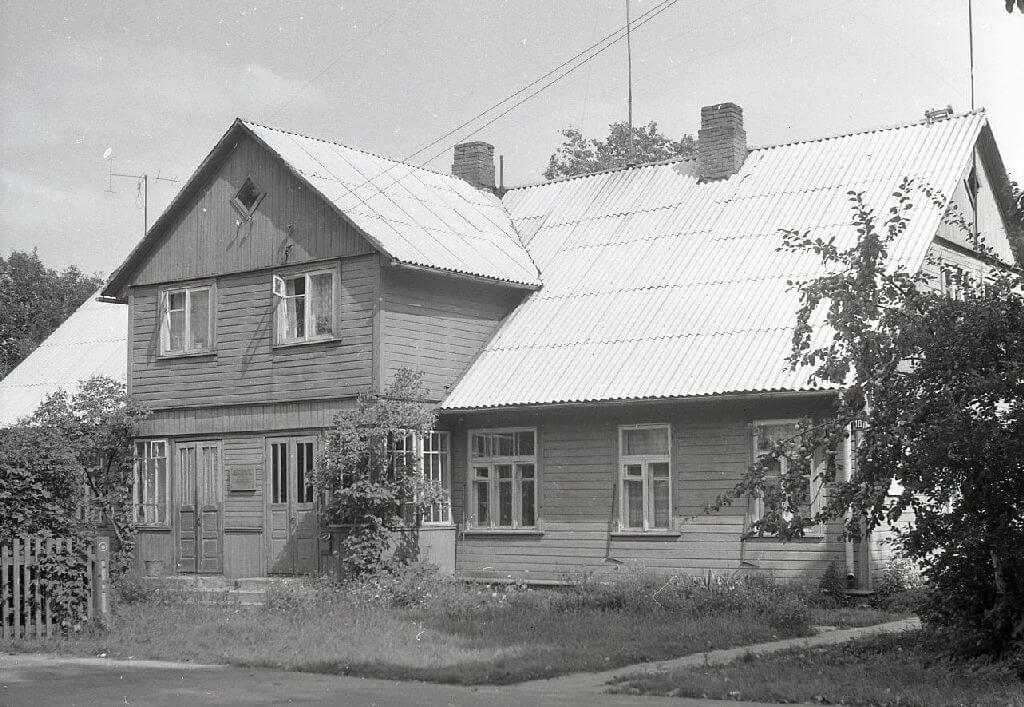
200,507
303,519
185,469
209,501
291,509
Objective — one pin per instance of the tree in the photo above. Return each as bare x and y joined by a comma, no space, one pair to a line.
1010,3
933,395
581,155
35,300
65,473
369,474
98,425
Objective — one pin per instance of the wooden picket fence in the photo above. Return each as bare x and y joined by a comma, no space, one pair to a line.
24,610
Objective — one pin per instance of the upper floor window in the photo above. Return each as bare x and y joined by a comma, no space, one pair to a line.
247,198
768,434
186,324
503,478
304,307
150,496
645,477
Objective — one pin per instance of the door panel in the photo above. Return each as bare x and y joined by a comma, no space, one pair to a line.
210,483
304,525
291,509
279,517
186,472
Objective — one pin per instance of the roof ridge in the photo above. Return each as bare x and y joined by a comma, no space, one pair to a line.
378,155
661,163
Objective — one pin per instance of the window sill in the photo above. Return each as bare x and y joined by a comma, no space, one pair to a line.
304,342
437,526
153,528
244,530
641,534
186,354
812,537
529,532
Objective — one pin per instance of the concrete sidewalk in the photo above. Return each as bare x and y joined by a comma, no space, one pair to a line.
44,679
584,681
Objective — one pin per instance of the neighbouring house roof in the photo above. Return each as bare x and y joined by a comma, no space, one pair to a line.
416,217
93,341
659,286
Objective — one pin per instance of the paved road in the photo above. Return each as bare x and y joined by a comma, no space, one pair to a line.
48,680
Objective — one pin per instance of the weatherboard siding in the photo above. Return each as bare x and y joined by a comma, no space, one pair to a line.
437,324
578,467
245,367
209,237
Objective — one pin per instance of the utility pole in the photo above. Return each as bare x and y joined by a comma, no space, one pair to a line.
144,183
629,90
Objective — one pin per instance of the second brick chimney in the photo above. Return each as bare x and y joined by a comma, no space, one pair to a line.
474,162
721,141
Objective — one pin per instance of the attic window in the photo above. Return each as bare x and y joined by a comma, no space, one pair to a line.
247,198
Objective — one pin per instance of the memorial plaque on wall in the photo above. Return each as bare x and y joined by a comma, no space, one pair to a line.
242,477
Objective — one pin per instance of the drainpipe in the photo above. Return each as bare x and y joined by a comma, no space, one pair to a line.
848,461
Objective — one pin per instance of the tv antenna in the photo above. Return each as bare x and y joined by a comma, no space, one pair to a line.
143,184
629,91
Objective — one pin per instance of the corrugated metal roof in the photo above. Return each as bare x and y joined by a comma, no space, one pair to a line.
656,285
416,216
93,341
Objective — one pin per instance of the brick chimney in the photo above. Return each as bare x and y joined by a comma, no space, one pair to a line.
721,141
474,162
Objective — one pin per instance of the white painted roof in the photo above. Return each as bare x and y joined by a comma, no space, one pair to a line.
416,216
658,286
93,341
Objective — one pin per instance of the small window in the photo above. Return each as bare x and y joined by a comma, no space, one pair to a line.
304,307
645,478
503,479
951,282
186,321
149,488
427,455
247,198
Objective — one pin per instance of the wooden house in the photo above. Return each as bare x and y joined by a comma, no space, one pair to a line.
607,351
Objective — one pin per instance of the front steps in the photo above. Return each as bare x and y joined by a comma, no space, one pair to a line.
218,589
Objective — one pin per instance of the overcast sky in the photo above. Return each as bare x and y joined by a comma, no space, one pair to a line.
158,83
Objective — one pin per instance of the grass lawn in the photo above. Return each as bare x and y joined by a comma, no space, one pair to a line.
446,632
905,669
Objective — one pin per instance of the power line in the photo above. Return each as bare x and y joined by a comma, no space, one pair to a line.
639,23
657,9
586,54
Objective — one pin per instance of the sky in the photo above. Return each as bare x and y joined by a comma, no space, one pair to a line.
88,88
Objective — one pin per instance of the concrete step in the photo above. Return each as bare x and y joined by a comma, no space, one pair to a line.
261,584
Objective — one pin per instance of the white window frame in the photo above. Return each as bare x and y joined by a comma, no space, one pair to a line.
646,478
439,514
165,320
279,287
491,463
951,281
816,489
145,510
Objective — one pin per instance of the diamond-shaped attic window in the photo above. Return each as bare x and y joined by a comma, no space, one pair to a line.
247,198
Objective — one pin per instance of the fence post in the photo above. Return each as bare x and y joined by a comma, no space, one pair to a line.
101,579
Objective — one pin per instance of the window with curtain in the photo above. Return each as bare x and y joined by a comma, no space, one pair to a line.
304,307
645,477
503,479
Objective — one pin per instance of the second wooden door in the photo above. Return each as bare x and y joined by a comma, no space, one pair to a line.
291,508
200,500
